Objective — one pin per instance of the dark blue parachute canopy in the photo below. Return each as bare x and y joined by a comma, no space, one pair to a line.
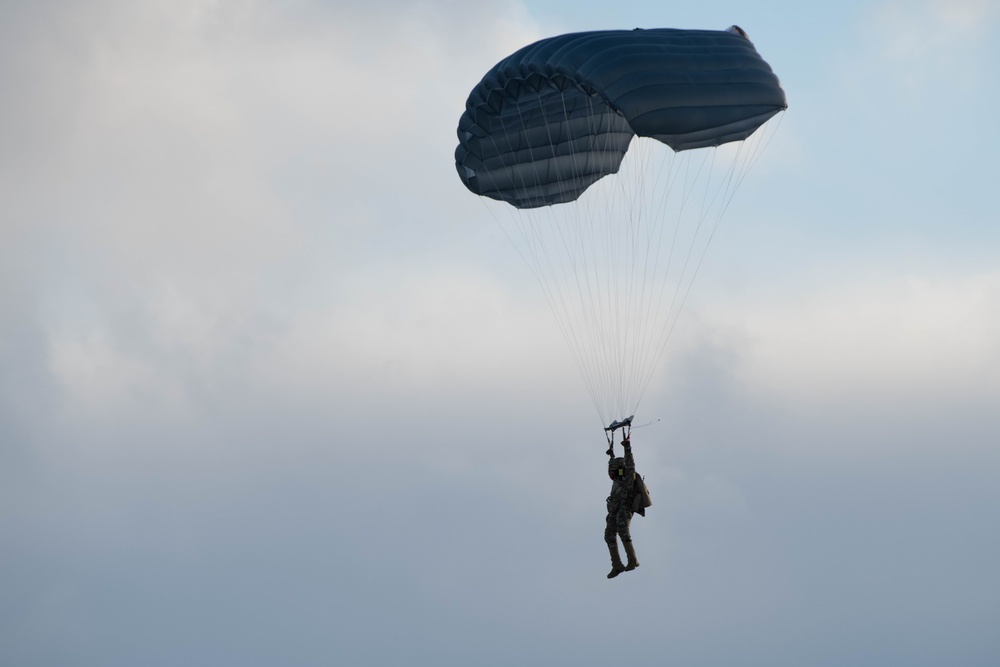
558,115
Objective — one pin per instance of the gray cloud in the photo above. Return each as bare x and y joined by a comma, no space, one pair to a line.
257,406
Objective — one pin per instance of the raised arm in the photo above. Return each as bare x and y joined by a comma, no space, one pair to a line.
629,461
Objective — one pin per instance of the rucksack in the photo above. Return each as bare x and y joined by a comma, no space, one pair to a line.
640,496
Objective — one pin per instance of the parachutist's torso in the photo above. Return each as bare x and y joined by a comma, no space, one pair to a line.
623,485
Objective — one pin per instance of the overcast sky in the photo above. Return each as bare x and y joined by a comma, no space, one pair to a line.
275,389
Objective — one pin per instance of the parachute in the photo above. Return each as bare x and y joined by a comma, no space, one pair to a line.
613,156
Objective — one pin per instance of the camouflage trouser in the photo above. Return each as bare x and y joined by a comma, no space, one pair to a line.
617,523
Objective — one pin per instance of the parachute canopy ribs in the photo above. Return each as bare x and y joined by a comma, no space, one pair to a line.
558,115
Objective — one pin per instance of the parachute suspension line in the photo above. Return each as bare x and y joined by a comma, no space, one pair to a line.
650,308
582,232
635,288
728,187
660,218
599,364
750,150
707,158
639,275
766,134
677,169
535,253
572,235
683,290
637,272
597,316
528,233
625,201
609,315
656,224
606,263
589,289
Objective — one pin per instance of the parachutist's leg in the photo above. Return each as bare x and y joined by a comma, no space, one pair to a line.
623,519
632,560
616,560
621,524
610,529
612,541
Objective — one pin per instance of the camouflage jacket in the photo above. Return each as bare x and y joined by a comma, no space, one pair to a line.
623,487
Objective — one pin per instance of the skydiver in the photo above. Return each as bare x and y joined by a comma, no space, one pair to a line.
621,470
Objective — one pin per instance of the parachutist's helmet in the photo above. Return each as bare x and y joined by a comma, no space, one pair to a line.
616,468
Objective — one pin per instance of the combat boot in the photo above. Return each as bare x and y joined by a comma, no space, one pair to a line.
630,552
616,560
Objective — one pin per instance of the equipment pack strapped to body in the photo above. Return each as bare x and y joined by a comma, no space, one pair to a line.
640,496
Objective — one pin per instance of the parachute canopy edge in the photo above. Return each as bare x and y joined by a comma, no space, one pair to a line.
556,116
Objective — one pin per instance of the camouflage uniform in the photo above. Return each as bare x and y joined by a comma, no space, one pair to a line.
619,516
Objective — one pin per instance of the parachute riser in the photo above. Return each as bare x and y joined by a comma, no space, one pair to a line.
609,432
